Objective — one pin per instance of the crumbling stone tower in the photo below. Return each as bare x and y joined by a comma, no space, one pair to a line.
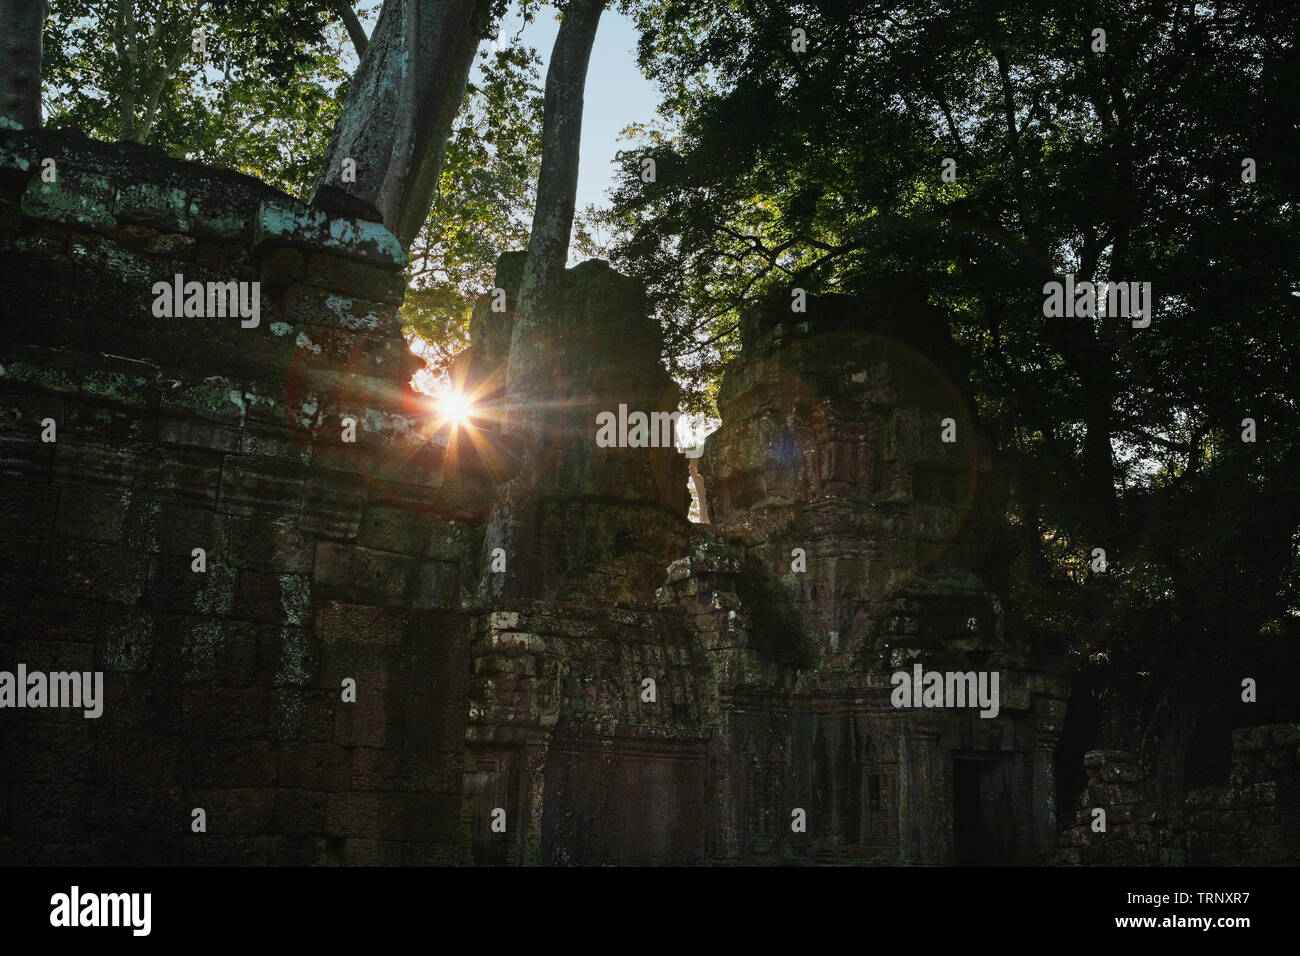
850,540
560,735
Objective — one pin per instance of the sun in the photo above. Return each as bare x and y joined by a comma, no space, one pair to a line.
455,407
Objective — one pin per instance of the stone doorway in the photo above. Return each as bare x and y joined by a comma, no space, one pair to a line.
491,785
983,827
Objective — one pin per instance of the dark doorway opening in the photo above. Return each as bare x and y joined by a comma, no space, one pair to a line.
982,819
490,787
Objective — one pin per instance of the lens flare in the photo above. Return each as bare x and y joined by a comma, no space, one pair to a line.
456,408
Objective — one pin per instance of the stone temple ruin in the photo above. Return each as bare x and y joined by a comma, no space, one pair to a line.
630,688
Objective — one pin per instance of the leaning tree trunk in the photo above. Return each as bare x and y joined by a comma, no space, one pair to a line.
21,23
557,189
399,112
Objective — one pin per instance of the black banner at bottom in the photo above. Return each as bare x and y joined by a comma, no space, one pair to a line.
336,906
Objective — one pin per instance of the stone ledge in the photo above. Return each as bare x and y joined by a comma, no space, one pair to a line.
282,224
85,202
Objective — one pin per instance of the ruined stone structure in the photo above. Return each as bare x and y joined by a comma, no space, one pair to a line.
771,680
434,644
326,560
1253,821
831,444
559,735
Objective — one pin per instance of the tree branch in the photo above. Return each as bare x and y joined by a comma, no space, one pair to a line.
349,18
151,107
1018,163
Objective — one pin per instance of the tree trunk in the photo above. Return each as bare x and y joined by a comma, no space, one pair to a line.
527,378
396,120
513,522
21,23
557,186
357,34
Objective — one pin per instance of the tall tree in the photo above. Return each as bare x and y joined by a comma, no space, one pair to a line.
557,187
246,84
390,141
483,208
512,523
1120,156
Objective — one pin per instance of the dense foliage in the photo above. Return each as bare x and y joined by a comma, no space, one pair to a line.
822,169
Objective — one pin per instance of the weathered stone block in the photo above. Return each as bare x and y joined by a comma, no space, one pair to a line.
270,545
304,713
173,431
332,505
394,816
225,762
225,713
401,529
312,766
188,476
261,486
299,812
363,280
363,573
164,207
437,587
288,224
363,624
82,201
274,441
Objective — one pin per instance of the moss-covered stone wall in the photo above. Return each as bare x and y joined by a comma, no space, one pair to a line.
333,557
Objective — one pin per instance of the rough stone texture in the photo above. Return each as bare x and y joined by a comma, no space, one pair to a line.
325,559
522,690
773,684
831,444
581,521
559,735
1252,821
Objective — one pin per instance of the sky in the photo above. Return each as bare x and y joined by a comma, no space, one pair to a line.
616,93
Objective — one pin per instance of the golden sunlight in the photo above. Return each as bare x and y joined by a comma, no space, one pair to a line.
456,408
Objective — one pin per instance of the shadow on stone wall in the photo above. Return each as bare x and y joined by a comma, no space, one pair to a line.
324,561
1252,821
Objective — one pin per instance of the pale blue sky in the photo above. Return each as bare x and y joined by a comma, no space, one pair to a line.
616,94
